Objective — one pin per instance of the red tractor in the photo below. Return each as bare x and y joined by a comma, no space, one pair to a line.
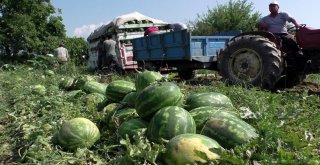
262,59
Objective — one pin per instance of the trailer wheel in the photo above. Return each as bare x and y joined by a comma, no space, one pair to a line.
187,74
251,60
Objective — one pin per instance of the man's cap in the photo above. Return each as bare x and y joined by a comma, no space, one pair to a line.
274,3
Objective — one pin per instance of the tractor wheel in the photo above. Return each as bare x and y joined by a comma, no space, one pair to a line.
251,60
187,74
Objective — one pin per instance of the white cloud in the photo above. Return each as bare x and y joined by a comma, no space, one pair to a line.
85,30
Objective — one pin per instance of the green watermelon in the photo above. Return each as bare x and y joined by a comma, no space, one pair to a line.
202,114
130,99
118,89
95,87
228,130
109,110
120,116
75,94
80,81
146,78
157,96
93,100
48,72
66,83
207,99
169,122
187,148
38,89
131,127
78,133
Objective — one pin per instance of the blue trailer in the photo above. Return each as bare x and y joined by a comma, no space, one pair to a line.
179,51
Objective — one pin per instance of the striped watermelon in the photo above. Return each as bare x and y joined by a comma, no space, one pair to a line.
146,78
38,89
109,110
202,114
157,96
207,99
169,122
130,99
78,133
184,149
93,100
75,94
95,87
131,127
228,129
120,116
66,83
49,72
118,89
80,81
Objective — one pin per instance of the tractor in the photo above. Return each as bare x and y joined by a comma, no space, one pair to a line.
261,59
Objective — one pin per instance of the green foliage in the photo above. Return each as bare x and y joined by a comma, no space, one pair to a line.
287,122
29,25
234,15
77,48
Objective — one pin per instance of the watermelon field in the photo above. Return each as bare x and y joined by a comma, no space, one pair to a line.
66,114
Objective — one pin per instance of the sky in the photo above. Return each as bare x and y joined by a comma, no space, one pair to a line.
81,17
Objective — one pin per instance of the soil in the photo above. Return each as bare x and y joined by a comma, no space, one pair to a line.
311,88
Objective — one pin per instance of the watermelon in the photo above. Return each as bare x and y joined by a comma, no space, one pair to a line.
120,116
48,72
93,100
157,96
66,83
169,122
118,89
207,99
130,99
38,89
187,148
146,78
78,133
202,114
75,94
228,130
95,87
80,81
131,127
109,110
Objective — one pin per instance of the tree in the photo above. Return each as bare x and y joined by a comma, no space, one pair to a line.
29,25
78,49
235,15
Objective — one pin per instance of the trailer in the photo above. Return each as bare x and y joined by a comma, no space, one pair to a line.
123,28
178,51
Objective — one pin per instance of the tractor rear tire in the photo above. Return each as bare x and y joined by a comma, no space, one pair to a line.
251,60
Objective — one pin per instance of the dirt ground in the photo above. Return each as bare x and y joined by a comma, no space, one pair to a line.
309,87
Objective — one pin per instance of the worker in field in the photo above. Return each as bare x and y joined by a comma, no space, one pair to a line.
101,53
111,57
151,31
176,26
276,23
62,54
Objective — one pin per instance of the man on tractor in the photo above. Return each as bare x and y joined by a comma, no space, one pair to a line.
276,23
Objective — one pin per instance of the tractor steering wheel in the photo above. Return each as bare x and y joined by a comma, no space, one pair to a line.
293,29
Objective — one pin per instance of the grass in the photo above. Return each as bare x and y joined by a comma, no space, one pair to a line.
287,122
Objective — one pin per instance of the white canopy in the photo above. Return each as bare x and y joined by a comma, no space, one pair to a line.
122,20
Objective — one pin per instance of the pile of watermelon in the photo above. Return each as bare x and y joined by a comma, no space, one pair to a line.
186,124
